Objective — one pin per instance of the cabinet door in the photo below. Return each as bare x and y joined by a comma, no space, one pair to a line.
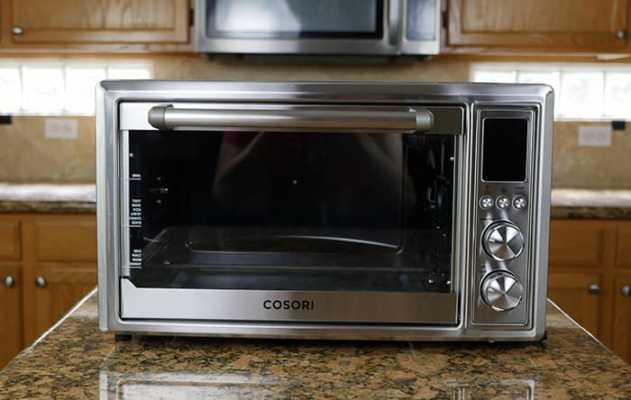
59,267
622,317
10,313
578,294
9,238
57,291
98,21
580,25
623,245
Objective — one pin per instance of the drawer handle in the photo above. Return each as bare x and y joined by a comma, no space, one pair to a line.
594,288
9,281
17,31
40,282
626,290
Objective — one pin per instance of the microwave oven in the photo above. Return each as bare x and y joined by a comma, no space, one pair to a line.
323,27
374,210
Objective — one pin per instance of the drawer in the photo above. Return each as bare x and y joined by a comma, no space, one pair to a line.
578,243
10,248
66,239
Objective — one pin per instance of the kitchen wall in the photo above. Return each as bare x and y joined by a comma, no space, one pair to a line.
28,156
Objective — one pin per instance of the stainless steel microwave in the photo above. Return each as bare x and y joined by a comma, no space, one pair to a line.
322,27
324,210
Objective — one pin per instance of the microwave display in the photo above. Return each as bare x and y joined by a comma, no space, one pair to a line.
291,211
294,18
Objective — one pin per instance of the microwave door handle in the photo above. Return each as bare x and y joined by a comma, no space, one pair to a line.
166,117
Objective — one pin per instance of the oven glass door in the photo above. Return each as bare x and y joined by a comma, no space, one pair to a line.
252,210
283,19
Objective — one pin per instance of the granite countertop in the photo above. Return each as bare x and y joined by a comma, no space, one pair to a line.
591,203
76,360
47,198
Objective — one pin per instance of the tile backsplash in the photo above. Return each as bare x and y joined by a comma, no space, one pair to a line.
27,155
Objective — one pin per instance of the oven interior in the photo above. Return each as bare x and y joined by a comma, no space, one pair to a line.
291,210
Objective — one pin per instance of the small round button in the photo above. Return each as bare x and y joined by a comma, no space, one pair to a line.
519,202
502,202
486,202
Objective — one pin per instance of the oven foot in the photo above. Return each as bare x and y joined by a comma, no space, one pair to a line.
122,337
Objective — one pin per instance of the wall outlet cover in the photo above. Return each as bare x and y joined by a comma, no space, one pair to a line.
594,135
61,128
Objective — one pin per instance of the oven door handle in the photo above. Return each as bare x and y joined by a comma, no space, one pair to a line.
340,119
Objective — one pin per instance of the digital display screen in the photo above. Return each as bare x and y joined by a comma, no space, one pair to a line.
505,148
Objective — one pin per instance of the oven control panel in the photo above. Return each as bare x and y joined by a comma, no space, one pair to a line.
502,275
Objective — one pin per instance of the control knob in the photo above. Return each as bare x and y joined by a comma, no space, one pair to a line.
503,241
502,291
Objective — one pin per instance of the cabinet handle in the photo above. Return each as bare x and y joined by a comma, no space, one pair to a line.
9,281
594,288
17,31
40,282
621,34
626,290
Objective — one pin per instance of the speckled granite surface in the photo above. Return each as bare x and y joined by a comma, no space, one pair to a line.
77,361
573,212
47,198
591,204
47,207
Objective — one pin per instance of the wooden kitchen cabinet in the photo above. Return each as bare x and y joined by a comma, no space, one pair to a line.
581,244
568,25
579,295
56,291
51,23
622,317
59,267
623,248
10,313
51,260
581,258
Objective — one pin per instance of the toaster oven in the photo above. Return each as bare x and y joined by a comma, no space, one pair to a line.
402,211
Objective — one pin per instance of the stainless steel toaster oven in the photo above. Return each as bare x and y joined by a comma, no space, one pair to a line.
380,210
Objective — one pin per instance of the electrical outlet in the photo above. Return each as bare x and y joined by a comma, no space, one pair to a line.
61,128
594,136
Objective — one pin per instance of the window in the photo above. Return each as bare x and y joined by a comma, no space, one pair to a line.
582,91
59,88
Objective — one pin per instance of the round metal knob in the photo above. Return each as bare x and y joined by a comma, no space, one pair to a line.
17,30
502,291
40,282
626,290
9,281
594,288
621,34
503,241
